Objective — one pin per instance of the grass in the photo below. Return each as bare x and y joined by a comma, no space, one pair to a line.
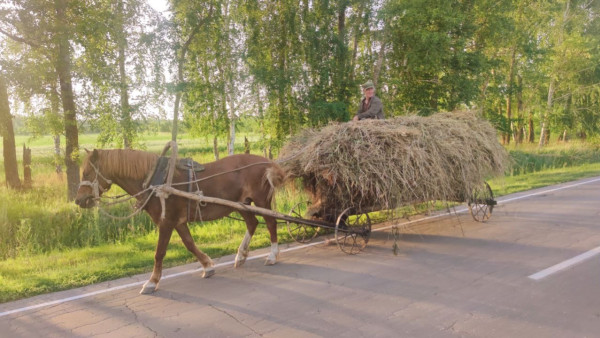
512,184
49,245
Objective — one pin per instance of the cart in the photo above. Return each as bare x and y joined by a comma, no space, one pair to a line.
351,226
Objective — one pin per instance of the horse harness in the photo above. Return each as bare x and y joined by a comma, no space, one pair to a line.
96,187
158,177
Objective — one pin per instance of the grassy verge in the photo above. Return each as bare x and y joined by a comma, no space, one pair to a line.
511,184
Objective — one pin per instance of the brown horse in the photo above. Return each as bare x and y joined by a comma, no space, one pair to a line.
240,178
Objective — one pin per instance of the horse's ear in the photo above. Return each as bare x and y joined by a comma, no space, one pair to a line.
94,155
86,151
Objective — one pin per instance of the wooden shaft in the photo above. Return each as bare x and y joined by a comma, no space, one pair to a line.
245,207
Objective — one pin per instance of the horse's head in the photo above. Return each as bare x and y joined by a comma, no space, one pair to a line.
93,183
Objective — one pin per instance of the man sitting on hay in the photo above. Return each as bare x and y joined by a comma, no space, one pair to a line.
370,106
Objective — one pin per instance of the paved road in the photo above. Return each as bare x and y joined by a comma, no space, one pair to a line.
452,277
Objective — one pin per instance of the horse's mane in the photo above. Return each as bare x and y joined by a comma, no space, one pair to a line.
134,164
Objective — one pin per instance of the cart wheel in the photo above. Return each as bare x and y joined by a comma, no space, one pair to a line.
301,233
352,231
482,203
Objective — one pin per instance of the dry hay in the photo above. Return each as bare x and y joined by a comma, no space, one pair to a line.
383,164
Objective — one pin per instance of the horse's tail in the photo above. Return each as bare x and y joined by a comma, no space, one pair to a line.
275,175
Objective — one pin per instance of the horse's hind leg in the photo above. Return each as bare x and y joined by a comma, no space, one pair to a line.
251,223
164,236
188,241
272,226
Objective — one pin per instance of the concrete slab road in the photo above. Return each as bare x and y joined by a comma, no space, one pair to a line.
531,271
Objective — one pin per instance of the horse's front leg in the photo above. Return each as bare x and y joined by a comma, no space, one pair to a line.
164,236
188,241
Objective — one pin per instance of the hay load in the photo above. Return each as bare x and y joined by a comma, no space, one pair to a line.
383,164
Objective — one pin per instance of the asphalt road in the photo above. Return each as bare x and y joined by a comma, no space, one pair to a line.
452,277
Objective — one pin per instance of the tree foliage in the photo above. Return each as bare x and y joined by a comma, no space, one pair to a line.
528,66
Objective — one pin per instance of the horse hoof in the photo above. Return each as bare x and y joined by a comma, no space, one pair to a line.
270,261
239,261
148,288
208,272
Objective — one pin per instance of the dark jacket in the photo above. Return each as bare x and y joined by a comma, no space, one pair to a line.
373,111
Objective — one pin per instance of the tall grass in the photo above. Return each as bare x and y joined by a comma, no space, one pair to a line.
40,220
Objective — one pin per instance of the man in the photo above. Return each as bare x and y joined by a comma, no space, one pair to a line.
370,106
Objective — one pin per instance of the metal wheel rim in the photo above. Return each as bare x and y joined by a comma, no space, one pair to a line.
300,232
354,241
481,212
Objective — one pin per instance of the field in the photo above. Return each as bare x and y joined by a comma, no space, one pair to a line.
49,244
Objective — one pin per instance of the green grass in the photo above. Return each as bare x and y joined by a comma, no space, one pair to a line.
512,184
49,245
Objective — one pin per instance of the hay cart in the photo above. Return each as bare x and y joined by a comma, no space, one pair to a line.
352,226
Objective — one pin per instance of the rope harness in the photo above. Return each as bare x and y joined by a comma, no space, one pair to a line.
95,185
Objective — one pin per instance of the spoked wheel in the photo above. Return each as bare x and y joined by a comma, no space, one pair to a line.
482,203
352,232
301,233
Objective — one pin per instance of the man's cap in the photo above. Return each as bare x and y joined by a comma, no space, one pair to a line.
368,84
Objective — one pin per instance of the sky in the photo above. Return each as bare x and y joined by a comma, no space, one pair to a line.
158,5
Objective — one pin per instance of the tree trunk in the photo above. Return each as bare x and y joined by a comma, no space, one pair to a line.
545,130
27,182
126,120
520,128
531,129
231,145
511,80
180,81
341,73
63,68
9,151
355,45
55,104
246,145
379,63
216,148
58,167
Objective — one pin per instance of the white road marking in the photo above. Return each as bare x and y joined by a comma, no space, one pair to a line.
565,264
115,288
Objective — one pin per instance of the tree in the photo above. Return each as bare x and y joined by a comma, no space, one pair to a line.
432,64
29,22
11,171
121,72
187,24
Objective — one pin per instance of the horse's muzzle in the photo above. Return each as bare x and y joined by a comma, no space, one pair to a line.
85,201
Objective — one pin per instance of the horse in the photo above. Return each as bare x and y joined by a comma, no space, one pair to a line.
241,178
